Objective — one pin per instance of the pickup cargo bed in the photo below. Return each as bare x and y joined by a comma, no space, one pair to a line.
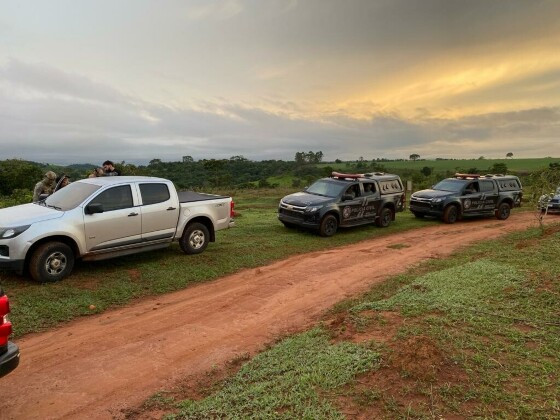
190,196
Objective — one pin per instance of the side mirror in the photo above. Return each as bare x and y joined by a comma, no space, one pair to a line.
94,208
347,197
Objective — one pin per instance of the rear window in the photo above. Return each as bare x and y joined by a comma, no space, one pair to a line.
154,193
486,186
392,186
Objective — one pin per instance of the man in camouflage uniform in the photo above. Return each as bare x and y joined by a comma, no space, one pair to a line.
46,186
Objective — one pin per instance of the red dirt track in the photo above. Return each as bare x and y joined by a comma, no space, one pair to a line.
97,366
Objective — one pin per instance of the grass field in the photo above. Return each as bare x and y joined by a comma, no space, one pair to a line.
257,239
474,335
524,165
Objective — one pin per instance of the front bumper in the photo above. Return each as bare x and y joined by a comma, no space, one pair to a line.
429,210
9,360
15,265
311,223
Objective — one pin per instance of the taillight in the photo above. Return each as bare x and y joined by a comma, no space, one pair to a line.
5,325
231,209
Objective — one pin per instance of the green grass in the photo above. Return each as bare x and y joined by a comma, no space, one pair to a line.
259,238
284,382
527,165
490,313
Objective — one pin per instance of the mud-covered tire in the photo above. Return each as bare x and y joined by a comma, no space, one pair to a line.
385,217
451,214
50,262
195,239
329,225
503,211
418,215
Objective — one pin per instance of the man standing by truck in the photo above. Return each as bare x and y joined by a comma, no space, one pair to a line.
109,169
44,187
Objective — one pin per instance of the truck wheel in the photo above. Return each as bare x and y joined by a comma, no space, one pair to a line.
503,211
195,239
450,214
384,219
329,225
418,215
51,261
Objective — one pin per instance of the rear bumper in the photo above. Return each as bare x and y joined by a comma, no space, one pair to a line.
16,265
9,360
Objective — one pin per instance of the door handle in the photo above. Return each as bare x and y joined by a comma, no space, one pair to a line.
133,214
171,208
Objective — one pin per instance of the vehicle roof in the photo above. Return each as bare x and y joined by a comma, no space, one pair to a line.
480,177
383,177
110,180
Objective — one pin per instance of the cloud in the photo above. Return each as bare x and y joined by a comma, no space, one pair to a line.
214,9
68,118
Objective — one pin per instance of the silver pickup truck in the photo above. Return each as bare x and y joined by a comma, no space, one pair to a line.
100,218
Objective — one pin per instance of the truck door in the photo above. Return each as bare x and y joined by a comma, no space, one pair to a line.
490,195
120,224
160,212
471,198
352,208
371,200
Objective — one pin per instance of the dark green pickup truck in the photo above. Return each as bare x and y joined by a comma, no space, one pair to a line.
344,200
469,195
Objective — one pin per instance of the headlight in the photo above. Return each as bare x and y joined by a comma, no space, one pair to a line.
7,233
313,209
436,200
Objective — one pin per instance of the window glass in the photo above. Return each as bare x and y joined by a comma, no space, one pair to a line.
486,186
154,193
326,188
369,188
115,198
71,196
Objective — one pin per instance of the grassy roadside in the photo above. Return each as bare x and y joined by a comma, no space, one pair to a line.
474,335
258,239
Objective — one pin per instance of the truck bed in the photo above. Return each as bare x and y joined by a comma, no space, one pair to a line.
191,196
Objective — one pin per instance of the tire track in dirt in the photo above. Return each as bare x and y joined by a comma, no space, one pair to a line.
98,366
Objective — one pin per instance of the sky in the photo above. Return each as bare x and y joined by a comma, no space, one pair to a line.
133,80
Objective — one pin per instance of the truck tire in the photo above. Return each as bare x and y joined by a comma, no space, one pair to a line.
384,219
195,239
503,211
450,214
51,261
328,226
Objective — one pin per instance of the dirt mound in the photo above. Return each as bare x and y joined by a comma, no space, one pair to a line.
418,357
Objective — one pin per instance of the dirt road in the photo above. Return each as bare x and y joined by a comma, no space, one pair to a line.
97,366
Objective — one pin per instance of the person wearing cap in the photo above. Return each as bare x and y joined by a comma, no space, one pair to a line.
45,186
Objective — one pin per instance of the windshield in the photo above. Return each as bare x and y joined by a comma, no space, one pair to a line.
71,196
451,185
326,188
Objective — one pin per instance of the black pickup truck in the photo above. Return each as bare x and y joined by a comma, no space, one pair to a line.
344,200
469,195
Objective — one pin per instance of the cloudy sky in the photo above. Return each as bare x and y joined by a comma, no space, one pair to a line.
83,81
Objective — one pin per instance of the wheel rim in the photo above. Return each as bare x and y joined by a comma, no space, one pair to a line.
330,226
453,214
56,263
386,218
505,211
197,238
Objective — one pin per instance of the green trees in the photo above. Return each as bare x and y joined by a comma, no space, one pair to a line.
18,174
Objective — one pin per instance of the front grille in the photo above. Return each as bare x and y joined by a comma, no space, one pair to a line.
422,204
291,213
555,200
